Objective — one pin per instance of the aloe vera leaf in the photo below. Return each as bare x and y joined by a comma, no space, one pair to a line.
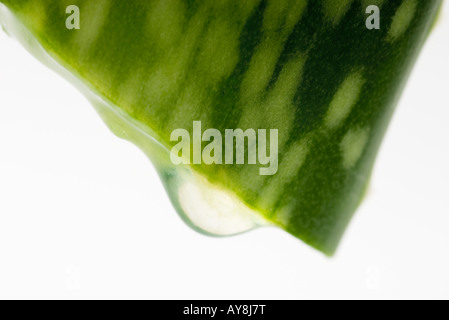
309,69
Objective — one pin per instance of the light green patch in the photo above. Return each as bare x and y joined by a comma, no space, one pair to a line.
193,104
402,20
160,84
344,100
250,177
294,14
174,67
218,55
93,16
278,107
284,215
274,15
245,8
279,14
367,3
282,16
217,58
336,9
165,22
130,91
289,79
353,145
260,71
36,12
169,74
219,50
292,162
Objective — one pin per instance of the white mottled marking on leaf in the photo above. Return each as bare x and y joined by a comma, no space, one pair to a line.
93,16
170,72
286,85
275,14
280,18
260,71
283,215
165,22
278,107
159,85
344,100
336,9
352,146
293,15
171,69
130,91
190,106
219,50
402,19
291,163
245,8
36,12
367,3
218,54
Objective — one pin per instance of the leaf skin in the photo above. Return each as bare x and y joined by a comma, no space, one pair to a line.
309,69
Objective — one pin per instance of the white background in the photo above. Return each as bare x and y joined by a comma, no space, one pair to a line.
84,215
